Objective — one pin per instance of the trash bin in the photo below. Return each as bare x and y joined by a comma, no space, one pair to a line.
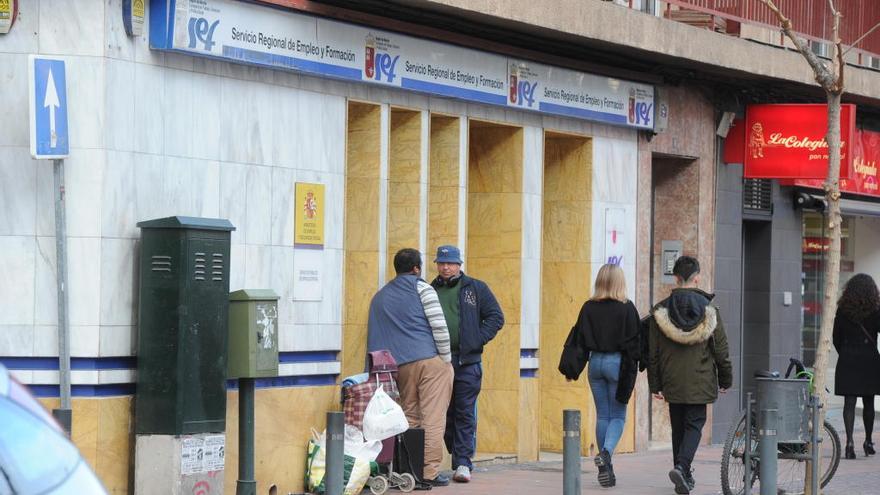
791,399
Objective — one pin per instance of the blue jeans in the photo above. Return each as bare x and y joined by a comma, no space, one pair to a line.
603,374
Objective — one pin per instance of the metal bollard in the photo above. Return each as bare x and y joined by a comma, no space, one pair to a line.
335,444
246,485
571,452
768,446
747,449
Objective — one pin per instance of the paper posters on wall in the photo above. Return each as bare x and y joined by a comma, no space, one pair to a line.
615,236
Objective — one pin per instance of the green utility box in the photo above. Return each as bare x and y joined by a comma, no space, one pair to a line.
183,307
253,333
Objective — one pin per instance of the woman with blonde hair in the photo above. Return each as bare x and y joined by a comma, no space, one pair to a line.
607,335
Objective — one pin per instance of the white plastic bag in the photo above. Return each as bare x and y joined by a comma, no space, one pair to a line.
357,447
383,418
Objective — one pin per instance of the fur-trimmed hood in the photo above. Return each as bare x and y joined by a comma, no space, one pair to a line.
698,334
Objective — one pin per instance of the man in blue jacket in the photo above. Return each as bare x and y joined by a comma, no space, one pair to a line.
473,317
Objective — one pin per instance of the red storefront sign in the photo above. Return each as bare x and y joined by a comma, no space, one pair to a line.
816,244
863,177
787,141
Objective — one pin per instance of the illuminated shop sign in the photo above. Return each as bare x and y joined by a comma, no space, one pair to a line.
247,33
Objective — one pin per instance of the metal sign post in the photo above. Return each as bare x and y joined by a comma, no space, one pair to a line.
47,101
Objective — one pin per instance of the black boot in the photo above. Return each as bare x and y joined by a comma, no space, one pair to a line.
869,447
849,452
606,475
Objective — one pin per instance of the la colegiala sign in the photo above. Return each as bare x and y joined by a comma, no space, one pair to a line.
863,178
787,141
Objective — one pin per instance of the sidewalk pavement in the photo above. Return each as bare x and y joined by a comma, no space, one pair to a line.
647,473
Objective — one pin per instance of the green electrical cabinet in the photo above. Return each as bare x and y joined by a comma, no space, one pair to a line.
253,333
183,307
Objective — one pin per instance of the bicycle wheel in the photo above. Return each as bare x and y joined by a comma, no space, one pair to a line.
733,468
791,472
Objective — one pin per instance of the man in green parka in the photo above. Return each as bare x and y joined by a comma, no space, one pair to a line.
688,364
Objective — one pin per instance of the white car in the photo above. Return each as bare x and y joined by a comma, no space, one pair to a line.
36,457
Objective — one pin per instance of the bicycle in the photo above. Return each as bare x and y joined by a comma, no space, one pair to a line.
791,456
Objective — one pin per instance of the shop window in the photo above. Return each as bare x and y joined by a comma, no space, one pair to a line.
814,250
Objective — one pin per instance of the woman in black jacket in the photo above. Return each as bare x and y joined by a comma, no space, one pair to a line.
858,366
606,334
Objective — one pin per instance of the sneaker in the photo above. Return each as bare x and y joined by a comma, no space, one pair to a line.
677,477
440,480
462,474
606,475
689,479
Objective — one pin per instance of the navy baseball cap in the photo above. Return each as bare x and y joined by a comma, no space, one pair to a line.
448,254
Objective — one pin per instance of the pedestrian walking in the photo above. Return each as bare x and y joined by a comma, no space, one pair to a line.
857,373
473,317
607,335
688,363
406,319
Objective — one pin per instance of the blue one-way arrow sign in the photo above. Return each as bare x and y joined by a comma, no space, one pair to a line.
48,107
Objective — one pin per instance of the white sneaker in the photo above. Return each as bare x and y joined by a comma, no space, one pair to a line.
462,474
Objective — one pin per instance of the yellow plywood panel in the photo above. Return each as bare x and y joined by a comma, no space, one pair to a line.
361,214
565,281
529,420
363,140
403,220
566,227
495,159
567,168
283,421
444,153
503,277
498,422
114,447
628,439
405,152
361,284
501,360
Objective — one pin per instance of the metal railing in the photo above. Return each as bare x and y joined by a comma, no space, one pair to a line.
810,18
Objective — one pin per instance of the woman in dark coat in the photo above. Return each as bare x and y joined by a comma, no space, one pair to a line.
858,367
606,334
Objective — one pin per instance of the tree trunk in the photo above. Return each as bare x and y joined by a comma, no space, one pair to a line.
832,262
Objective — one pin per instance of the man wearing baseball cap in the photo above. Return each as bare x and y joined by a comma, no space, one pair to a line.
473,317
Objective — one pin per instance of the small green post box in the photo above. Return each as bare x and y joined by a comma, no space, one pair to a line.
253,333
183,306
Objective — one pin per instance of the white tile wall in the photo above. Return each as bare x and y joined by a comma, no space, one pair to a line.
117,44
86,81
117,341
83,183
16,340
119,196
17,264
180,122
45,283
119,132
84,277
118,278
233,198
149,102
14,74
84,340
71,27
24,38
45,340
18,187
259,193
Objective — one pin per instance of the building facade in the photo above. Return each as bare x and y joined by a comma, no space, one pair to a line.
223,120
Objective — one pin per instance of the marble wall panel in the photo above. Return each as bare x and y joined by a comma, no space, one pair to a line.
14,74
120,106
17,263
237,253
614,173
16,340
45,340
149,119
18,190
312,337
233,198
25,38
532,226
282,205
74,27
86,80
117,44
331,304
179,113
117,340
533,160
258,266
84,341
45,283
83,183
262,191
119,196
206,118
119,275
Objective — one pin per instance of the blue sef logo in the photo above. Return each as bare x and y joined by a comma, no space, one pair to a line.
525,92
385,65
201,31
48,108
643,113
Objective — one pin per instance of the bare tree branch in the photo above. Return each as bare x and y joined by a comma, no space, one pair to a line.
856,42
824,77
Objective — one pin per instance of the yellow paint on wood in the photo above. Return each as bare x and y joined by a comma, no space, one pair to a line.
404,177
529,420
443,186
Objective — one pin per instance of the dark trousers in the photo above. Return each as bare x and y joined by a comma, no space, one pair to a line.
461,417
687,427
